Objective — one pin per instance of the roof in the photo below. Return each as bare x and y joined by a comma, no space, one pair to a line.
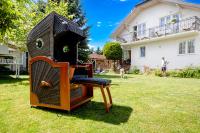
145,4
142,2
97,56
56,23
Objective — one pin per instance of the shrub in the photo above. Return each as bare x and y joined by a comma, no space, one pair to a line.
158,72
134,70
184,73
174,73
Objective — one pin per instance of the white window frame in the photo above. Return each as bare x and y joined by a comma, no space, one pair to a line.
167,19
162,22
141,54
186,48
141,29
181,48
192,41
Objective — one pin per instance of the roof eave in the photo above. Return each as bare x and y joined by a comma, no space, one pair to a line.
119,29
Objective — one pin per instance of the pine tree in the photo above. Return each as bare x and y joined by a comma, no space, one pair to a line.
75,9
99,51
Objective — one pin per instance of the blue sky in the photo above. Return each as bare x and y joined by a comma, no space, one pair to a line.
105,15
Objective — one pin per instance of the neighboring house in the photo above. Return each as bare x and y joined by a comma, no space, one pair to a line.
99,62
12,58
161,28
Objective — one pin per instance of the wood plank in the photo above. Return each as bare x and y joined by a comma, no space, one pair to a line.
80,102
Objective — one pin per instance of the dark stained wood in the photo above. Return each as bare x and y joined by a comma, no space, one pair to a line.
51,69
66,103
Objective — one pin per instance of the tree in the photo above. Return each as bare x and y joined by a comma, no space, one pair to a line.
8,15
75,9
91,50
30,14
41,5
98,51
113,51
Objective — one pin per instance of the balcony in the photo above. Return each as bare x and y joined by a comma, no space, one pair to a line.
11,61
189,24
7,61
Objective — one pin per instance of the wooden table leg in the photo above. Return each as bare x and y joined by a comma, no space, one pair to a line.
109,95
107,105
104,99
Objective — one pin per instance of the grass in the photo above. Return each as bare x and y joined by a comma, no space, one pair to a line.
142,104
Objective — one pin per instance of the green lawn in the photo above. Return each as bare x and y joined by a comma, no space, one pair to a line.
141,104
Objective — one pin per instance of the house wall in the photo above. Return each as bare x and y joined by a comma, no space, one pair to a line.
168,49
3,50
151,16
19,56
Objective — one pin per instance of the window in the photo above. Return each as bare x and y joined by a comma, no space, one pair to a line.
142,51
177,17
187,46
39,43
167,19
144,29
191,47
141,29
162,22
182,48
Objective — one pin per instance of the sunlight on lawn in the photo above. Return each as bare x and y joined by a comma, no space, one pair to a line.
141,104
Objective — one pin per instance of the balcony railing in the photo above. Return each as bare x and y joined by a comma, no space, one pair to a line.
7,61
4,61
189,24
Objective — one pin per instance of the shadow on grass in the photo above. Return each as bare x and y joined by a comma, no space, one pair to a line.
96,111
7,79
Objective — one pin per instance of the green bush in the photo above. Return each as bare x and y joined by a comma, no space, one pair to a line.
134,70
174,73
158,72
190,72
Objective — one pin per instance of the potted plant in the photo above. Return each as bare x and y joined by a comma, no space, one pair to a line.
173,21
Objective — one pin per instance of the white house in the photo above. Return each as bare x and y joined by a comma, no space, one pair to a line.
13,59
161,28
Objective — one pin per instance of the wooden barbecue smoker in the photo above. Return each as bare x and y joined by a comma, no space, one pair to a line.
56,79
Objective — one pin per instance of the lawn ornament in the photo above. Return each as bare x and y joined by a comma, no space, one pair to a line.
56,79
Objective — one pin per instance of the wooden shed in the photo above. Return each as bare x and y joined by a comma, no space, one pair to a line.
100,62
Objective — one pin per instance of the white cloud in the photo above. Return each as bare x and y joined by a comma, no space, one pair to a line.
117,23
94,45
111,24
99,24
90,39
